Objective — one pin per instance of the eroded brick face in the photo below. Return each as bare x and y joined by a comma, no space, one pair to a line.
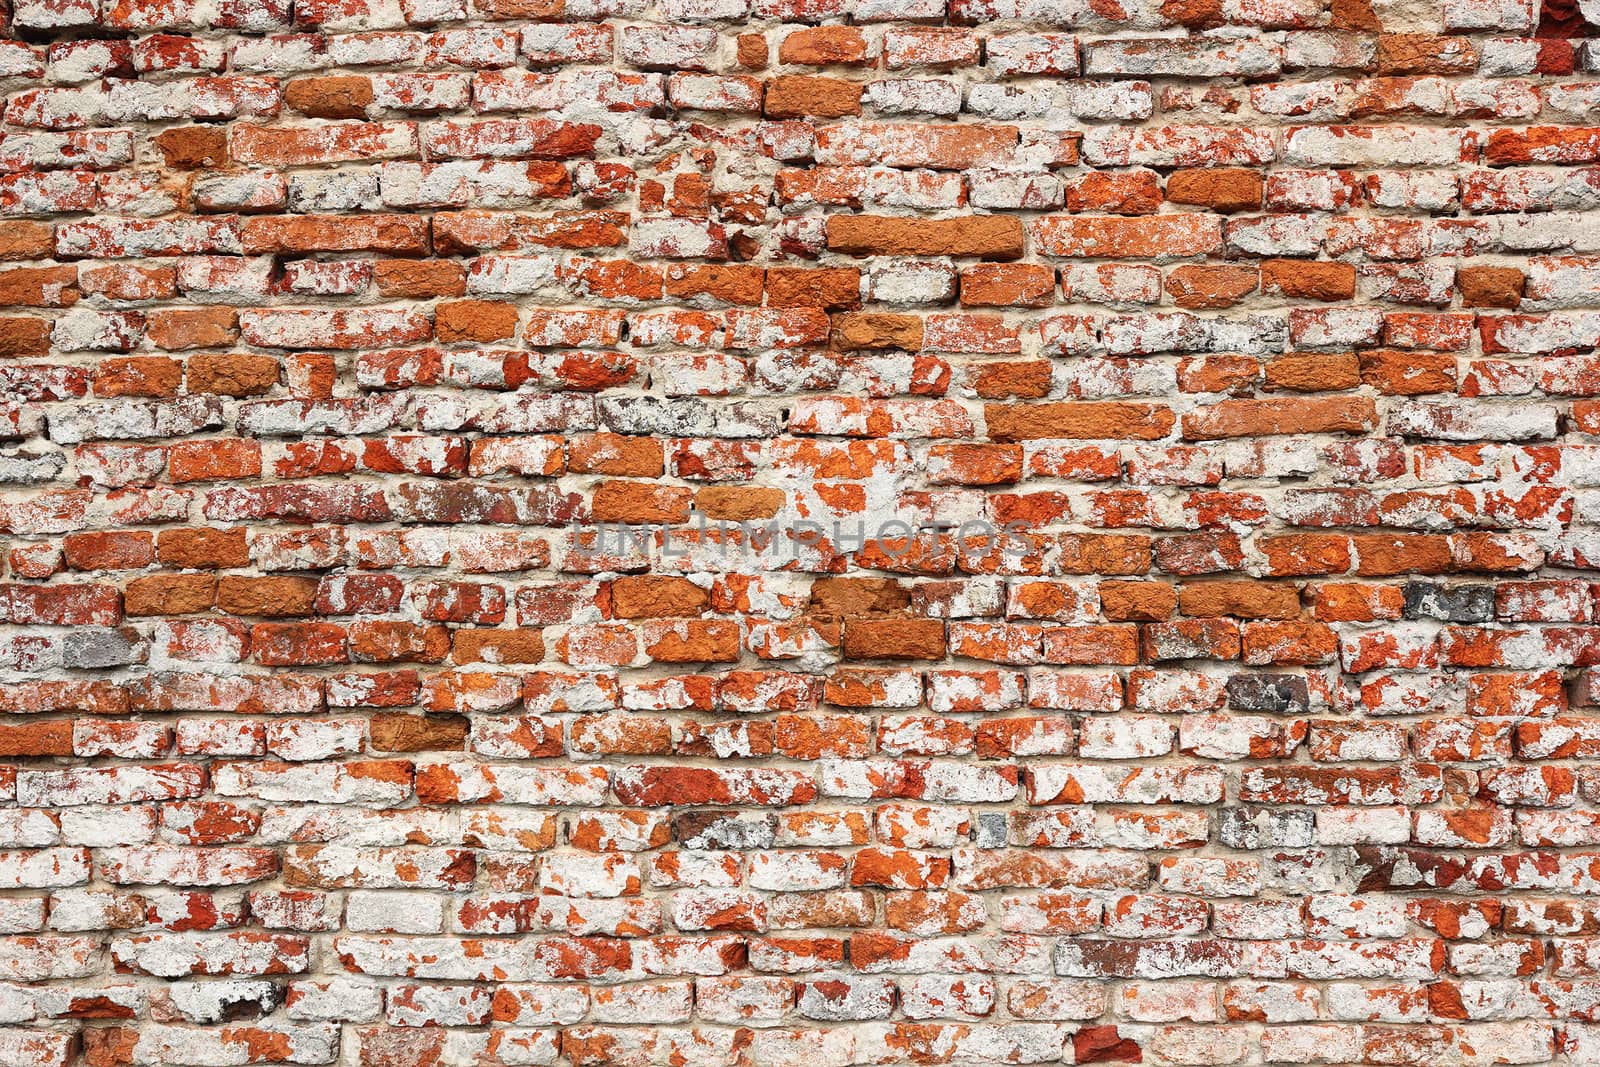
340,723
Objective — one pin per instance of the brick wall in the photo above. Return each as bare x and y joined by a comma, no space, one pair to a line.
1251,719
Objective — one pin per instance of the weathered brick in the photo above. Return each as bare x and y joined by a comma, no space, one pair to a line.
986,237
578,534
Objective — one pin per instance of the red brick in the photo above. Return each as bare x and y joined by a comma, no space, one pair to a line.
1211,656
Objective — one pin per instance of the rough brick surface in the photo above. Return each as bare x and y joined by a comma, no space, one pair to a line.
1228,694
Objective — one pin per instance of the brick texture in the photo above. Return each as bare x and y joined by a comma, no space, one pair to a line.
434,625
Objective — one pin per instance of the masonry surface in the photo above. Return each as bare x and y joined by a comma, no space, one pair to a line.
1264,732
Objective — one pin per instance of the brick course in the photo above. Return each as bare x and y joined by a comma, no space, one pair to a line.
333,731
